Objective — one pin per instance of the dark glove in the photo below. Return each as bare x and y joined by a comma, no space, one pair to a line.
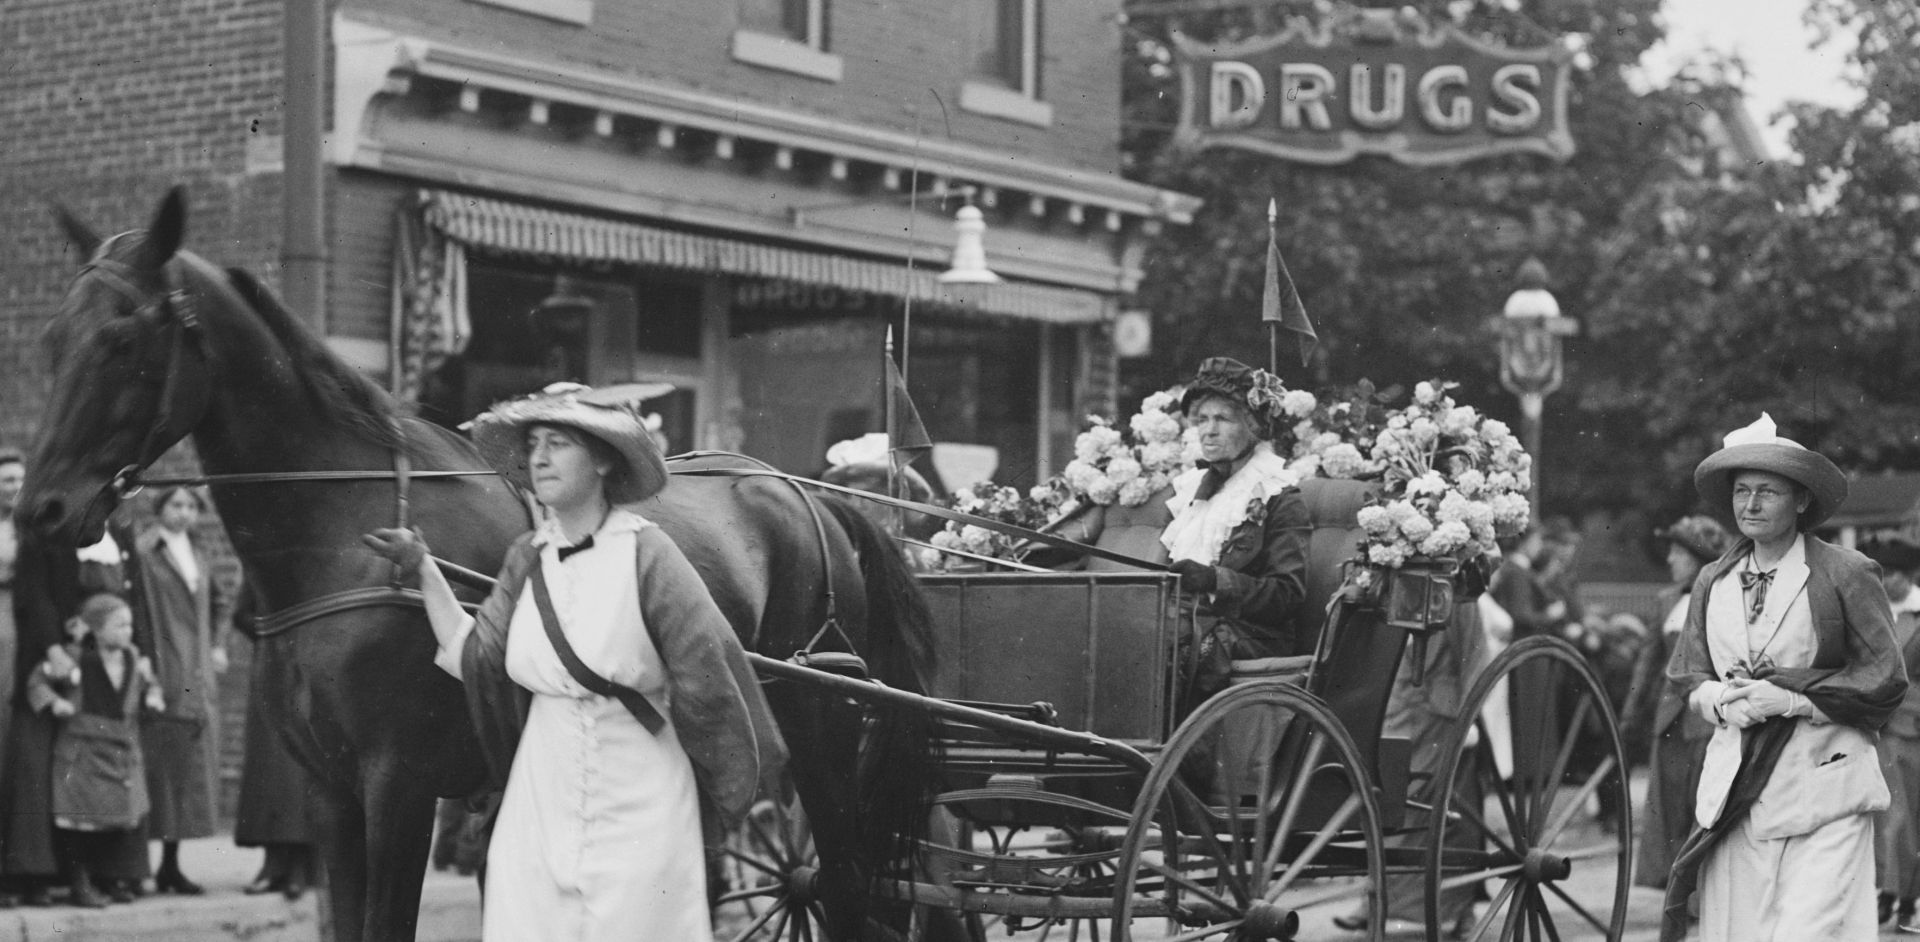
1196,578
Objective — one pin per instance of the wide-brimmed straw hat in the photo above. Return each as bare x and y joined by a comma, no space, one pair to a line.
1759,447
611,414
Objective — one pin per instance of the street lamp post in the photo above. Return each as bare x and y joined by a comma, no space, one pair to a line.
1532,361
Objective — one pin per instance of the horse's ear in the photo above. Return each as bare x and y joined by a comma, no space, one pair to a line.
79,233
169,228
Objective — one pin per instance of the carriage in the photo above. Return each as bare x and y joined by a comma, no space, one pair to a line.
1074,787
1074,794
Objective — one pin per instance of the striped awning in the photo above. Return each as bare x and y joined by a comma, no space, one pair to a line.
505,226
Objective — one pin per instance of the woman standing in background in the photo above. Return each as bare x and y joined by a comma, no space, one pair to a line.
185,615
1656,713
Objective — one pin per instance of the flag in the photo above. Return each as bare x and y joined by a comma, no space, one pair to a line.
906,437
1281,301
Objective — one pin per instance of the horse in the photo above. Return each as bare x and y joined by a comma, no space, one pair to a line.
153,344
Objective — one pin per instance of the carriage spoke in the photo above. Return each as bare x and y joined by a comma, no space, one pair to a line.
1493,909
1468,879
1264,836
759,865
773,848
1296,796
766,889
1579,801
779,905
1319,843
1228,789
1490,769
803,928
1516,908
1550,786
1546,915
1473,817
1182,879
1577,908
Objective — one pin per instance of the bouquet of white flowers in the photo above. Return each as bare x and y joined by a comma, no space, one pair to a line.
1127,465
986,499
1453,482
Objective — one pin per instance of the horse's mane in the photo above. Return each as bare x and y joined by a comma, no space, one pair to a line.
339,393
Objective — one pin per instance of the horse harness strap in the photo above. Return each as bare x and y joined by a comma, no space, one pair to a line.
333,603
944,513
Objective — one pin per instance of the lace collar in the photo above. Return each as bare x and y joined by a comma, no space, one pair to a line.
1200,528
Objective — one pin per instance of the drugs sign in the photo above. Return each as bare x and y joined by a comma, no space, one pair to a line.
1374,82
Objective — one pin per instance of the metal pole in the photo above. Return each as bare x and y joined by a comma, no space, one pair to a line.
1532,406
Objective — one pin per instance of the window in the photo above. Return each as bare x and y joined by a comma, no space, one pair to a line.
1008,54
789,35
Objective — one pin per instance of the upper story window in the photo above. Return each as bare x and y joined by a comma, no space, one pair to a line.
789,35
1008,40
803,21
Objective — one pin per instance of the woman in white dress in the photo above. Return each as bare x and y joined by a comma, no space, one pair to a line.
599,833
1788,650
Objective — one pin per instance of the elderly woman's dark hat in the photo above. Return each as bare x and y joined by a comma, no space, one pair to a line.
1699,534
1759,447
611,415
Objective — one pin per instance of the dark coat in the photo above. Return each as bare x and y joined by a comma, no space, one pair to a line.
178,625
1857,679
1261,578
50,582
709,680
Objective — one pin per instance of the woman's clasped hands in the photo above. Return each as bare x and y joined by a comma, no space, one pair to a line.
1742,702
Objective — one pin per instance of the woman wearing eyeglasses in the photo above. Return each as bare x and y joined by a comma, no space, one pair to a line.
1789,652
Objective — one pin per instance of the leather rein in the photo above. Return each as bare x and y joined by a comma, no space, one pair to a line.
183,403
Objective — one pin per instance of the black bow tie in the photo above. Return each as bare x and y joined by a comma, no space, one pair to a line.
1757,583
1215,479
566,551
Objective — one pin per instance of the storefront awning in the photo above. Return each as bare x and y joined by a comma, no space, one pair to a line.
504,226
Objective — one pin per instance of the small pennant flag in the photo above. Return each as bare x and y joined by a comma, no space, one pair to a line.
907,437
1281,301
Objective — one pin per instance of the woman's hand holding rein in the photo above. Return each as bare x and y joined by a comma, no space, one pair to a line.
404,548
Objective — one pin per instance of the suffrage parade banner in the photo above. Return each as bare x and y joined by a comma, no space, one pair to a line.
1373,82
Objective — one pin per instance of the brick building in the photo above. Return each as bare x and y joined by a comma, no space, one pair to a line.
733,199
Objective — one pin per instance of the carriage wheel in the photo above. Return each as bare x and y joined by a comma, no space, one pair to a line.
1551,870
772,879
1258,815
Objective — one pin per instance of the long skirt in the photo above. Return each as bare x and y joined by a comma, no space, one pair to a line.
1673,778
598,838
9,654
1896,841
1794,889
182,775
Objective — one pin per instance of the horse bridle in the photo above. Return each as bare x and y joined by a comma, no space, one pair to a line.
187,391
181,404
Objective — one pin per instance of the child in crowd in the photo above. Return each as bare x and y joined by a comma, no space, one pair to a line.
95,684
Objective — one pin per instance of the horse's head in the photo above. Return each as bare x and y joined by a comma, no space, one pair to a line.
130,375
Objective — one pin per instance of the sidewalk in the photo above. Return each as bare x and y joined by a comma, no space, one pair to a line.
449,908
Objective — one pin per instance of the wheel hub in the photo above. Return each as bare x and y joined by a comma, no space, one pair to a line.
803,885
1264,920
1543,867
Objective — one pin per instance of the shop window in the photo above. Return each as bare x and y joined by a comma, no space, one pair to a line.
1008,54
789,35
533,324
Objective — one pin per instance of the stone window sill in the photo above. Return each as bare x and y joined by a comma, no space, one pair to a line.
997,102
779,52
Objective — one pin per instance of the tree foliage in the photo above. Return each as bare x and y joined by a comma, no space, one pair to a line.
1706,292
